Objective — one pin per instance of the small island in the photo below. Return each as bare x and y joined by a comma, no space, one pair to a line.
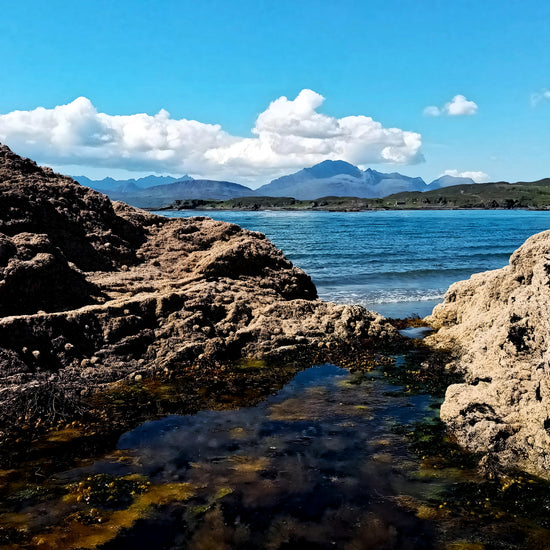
481,196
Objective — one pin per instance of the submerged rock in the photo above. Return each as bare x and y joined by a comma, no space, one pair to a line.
498,324
93,291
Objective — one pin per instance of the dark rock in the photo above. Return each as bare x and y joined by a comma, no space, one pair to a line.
92,292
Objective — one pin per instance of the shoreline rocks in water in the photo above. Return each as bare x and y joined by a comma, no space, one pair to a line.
499,325
92,292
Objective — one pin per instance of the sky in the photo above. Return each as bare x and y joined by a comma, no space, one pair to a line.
250,90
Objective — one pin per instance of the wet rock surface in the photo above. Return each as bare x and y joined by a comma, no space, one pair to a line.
498,326
92,292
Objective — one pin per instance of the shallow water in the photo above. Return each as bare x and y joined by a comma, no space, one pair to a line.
395,262
332,460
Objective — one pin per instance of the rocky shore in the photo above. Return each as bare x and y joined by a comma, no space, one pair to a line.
497,323
93,292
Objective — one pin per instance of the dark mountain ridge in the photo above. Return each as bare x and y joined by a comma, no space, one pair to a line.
111,184
328,178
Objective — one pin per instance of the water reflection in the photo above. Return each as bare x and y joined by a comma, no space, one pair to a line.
332,460
315,466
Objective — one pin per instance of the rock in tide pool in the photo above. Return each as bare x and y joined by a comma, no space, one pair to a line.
498,322
92,292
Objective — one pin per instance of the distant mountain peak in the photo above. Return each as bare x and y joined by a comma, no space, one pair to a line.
340,178
330,168
447,181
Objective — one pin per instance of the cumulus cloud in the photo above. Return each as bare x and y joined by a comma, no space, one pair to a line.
288,134
478,177
538,97
458,106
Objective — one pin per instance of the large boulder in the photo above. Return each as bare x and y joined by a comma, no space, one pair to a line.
498,324
93,292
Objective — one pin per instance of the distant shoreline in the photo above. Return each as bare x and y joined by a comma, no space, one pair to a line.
329,204
168,209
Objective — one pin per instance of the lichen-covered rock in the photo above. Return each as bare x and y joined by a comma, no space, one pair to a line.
80,222
30,268
498,323
92,291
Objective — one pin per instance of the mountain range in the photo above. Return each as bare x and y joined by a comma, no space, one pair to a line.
156,191
123,186
328,178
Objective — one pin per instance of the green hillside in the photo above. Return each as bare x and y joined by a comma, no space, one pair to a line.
480,195
528,195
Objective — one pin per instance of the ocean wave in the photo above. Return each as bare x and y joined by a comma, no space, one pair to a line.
388,296
438,275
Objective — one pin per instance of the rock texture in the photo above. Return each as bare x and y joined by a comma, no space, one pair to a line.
498,322
93,291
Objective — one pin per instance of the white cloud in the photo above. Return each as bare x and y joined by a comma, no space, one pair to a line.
539,96
288,134
458,106
432,110
478,177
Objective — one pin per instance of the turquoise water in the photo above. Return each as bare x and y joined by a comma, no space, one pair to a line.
395,262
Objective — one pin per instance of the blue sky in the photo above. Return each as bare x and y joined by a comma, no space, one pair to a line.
223,63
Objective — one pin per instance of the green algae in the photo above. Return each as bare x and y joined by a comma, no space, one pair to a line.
422,371
515,495
223,492
107,491
91,528
430,441
29,494
107,506
251,364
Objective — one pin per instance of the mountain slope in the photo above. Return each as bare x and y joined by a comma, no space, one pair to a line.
534,194
339,178
162,195
385,184
157,191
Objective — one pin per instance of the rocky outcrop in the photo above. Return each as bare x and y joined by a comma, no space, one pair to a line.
498,324
93,291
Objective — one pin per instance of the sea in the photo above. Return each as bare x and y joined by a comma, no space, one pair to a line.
398,263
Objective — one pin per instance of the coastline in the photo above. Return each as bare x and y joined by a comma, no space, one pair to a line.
206,206
491,196
101,292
